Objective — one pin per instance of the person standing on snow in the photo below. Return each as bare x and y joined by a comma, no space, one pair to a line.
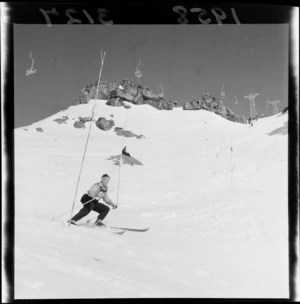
90,201
250,122
124,152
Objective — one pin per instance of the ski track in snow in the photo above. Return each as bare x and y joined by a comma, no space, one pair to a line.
217,208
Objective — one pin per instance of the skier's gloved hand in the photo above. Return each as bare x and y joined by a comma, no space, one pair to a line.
114,206
101,195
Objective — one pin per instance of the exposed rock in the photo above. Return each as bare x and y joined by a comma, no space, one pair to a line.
25,129
39,129
104,124
285,109
79,124
126,90
209,103
120,132
134,93
147,94
102,95
61,120
115,102
138,99
192,105
84,119
89,92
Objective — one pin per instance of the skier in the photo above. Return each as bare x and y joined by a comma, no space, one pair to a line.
124,152
90,201
262,115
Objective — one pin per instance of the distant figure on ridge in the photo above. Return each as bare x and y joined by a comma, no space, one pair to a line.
262,115
250,122
90,201
124,152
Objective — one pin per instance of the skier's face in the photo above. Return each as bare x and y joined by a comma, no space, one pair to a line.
105,180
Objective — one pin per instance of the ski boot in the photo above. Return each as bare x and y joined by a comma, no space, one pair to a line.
99,223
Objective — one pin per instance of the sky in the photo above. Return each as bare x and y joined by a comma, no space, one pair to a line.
187,60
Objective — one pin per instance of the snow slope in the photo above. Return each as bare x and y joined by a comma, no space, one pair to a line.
213,192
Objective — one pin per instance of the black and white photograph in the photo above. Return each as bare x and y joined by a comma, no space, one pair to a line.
151,160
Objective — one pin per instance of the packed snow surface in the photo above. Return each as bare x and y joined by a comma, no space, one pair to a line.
214,193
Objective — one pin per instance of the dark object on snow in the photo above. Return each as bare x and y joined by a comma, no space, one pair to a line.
120,132
285,109
61,120
124,152
79,124
39,129
104,124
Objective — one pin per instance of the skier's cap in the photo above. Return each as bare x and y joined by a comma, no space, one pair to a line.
105,175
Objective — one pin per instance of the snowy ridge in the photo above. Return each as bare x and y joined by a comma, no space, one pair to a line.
213,191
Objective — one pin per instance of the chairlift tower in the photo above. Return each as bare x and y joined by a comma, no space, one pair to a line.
251,98
274,104
138,73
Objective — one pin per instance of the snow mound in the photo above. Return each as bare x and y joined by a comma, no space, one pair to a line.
214,193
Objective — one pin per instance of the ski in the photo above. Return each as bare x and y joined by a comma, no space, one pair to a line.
132,229
91,225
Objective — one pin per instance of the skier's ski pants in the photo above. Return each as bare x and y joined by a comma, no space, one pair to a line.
92,205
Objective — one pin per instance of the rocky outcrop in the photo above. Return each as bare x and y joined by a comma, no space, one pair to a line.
125,91
89,92
209,103
39,129
118,95
104,124
79,125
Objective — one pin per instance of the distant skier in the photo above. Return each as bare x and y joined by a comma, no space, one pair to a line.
256,116
262,115
90,201
124,152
